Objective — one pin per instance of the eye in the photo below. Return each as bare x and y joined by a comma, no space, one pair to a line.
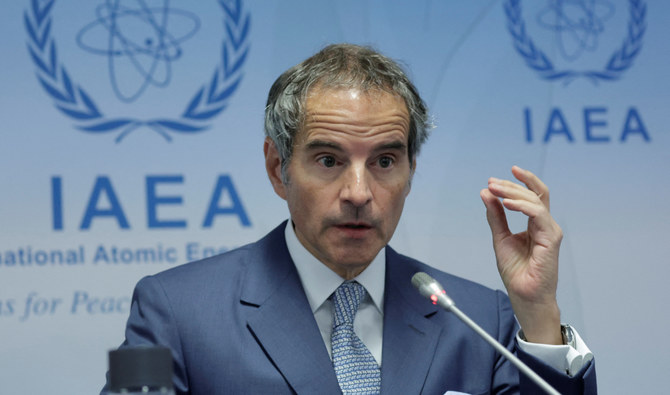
385,162
327,161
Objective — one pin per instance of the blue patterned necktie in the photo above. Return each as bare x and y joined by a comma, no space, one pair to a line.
356,368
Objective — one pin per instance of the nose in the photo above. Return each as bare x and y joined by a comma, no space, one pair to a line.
356,187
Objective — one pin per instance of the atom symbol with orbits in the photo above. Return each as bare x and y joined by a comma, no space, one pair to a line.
577,24
141,43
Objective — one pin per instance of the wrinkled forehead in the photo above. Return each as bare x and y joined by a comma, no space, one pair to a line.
371,95
351,113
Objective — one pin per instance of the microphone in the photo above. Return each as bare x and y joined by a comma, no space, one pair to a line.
431,289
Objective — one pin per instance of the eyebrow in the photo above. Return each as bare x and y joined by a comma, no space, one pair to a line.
316,144
394,145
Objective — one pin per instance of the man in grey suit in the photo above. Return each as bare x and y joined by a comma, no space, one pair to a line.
321,304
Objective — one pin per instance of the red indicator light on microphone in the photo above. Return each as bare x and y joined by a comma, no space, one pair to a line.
433,298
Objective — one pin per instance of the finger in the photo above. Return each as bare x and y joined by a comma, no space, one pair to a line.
495,215
536,212
533,182
530,209
511,190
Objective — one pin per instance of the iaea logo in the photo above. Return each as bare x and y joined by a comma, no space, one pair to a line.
576,27
139,43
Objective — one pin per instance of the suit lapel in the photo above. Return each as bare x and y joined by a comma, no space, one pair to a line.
285,328
283,322
410,339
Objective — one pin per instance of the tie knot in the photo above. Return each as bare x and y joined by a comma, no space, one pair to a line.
346,298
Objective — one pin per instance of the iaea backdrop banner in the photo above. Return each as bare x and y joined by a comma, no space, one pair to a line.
132,135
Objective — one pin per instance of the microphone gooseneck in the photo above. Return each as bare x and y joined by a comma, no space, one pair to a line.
431,289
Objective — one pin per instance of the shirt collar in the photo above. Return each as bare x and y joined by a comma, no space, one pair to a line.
319,282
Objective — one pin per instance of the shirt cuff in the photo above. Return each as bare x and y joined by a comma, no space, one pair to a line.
562,357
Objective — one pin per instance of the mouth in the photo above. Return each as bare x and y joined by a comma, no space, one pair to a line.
355,229
357,226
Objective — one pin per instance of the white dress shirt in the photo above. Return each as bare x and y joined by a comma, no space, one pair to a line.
319,282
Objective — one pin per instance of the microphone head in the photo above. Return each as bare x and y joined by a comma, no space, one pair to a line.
420,279
431,289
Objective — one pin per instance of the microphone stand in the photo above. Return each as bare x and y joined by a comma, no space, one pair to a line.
430,288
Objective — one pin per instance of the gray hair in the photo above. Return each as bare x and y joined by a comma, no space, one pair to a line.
339,66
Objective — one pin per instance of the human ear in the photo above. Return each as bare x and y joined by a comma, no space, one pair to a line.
412,169
273,167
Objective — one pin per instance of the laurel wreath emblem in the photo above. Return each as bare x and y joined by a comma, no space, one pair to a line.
73,100
620,61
